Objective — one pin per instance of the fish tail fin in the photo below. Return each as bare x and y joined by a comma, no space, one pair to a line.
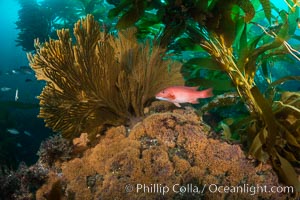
206,93
201,95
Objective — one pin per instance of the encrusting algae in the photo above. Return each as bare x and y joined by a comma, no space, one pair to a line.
98,80
170,149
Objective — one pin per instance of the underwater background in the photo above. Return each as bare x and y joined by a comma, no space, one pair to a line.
15,74
92,90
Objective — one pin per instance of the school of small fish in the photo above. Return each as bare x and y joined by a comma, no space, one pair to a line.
14,131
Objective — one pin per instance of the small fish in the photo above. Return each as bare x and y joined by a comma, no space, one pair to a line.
21,70
15,71
27,133
25,70
17,95
5,89
28,80
13,131
183,94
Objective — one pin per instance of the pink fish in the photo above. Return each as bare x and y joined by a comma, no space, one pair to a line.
183,94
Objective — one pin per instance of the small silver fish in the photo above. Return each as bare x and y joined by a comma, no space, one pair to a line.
15,71
25,70
27,133
5,89
13,131
17,95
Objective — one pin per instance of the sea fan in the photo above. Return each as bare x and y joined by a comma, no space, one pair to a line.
100,80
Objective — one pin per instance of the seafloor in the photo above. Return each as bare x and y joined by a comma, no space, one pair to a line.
170,149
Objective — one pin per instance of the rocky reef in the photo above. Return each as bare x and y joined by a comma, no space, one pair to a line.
167,149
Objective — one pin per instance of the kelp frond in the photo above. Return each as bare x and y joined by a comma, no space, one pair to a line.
266,4
100,80
292,4
274,128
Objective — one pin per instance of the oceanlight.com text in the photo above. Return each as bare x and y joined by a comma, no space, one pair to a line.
211,188
250,189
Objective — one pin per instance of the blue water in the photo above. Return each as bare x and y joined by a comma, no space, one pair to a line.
19,147
11,56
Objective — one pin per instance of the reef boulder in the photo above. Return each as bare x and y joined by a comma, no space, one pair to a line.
167,155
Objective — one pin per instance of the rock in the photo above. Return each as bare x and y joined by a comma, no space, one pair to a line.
169,150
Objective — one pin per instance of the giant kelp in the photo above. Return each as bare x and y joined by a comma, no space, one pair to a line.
100,80
219,16
41,19
271,128
32,23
